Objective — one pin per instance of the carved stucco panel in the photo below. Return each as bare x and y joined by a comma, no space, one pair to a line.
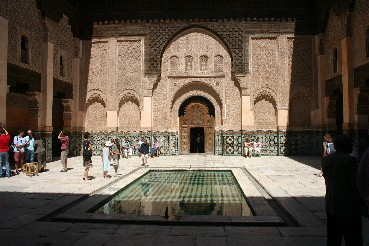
4,8
98,71
59,34
28,25
265,115
129,67
264,65
333,35
95,117
129,116
300,71
360,27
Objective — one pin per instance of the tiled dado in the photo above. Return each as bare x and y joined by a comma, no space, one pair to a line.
227,142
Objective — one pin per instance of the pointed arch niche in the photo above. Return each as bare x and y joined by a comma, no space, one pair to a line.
197,124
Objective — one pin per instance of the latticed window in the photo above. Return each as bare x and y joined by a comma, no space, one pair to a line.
24,50
367,44
335,60
204,63
61,66
218,63
174,63
188,63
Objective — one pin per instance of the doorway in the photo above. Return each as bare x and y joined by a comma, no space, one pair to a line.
197,140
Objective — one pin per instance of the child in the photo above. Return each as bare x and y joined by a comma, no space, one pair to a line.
106,153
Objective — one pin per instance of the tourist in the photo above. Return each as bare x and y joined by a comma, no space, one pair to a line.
145,152
106,156
247,151
257,147
4,149
116,155
363,179
87,154
127,148
342,201
29,147
18,144
328,146
64,139
138,146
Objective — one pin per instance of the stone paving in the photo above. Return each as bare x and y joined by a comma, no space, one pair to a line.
28,203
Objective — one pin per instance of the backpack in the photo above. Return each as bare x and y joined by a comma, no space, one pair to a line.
330,148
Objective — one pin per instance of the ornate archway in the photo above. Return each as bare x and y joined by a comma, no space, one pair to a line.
196,129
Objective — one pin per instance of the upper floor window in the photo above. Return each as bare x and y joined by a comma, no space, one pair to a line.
203,63
335,60
188,63
367,44
174,63
24,50
218,63
61,66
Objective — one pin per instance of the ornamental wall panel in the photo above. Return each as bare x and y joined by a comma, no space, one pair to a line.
265,115
25,20
129,67
264,65
95,116
196,44
333,35
98,71
360,25
300,77
129,115
59,34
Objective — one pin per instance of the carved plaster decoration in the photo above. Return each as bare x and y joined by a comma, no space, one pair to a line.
34,100
265,115
129,114
28,25
60,34
297,117
360,28
95,115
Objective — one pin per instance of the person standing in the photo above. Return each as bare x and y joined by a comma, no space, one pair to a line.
106,154
138,146
363,178
18,143
145,148
87,154
247,150
4,149
342,201
127,148
64,139
116,155
29,147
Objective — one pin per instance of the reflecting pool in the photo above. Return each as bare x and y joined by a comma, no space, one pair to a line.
175,194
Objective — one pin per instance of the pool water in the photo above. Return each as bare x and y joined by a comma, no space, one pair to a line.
175,194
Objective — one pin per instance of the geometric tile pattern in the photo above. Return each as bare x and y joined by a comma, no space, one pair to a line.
186,192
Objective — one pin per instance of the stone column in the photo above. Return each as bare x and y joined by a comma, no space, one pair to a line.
247,114
348,83
77,117
3,67
47,94
34,99
112,104
321,115
282,119
47,86
146,113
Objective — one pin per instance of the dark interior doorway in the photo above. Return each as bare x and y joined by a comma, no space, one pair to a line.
197,140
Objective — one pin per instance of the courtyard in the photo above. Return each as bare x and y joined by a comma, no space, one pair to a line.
34,210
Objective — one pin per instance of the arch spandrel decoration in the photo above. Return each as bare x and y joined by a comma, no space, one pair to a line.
197,115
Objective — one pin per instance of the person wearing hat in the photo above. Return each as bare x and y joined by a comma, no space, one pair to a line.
106,153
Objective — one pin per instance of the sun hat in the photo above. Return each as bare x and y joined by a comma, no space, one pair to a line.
108,143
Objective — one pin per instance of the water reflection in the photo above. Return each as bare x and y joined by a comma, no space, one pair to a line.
174,194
